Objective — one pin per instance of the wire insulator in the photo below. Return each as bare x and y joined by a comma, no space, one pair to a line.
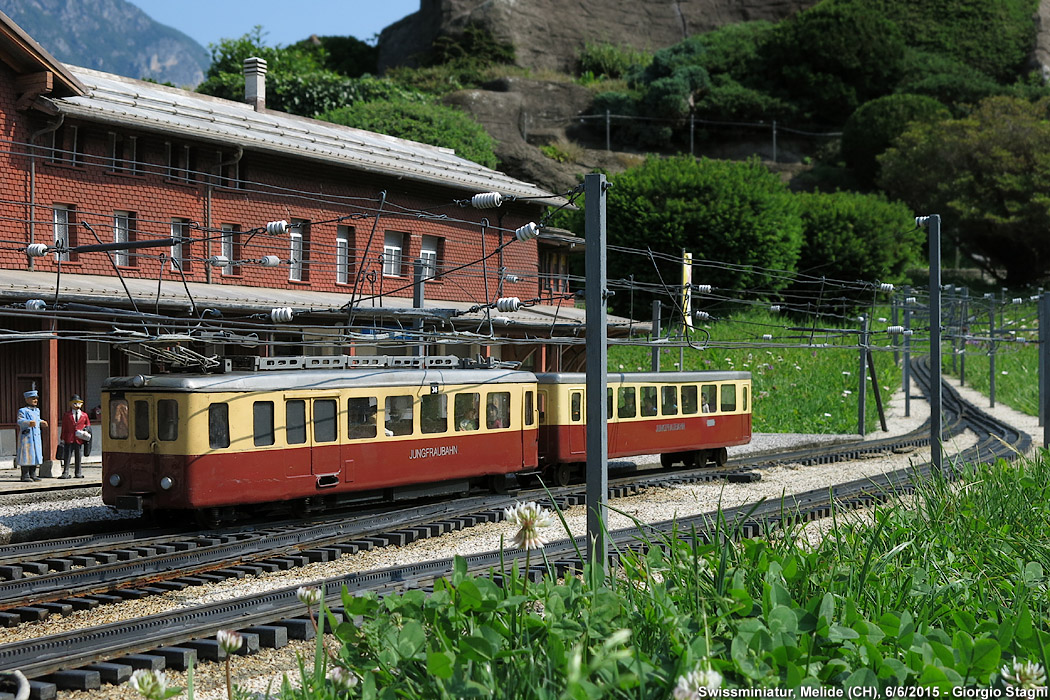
277,228
36,305
702,288
775,308
895,330
36,250
219,261
909,300
885,287
1018,300
486,200
508,304
767,336
701,316
283,314
270,261
528,231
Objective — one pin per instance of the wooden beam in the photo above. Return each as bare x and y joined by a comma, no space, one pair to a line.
32,86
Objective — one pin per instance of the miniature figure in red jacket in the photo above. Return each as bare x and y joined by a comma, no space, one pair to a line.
75,433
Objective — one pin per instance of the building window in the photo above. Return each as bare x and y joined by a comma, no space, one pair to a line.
123,232
343,254
554,272
393,243
430,253
180,250
65,145
227,170
64,217
180,165
231,248
122,153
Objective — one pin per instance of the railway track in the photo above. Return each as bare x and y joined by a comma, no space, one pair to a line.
109,653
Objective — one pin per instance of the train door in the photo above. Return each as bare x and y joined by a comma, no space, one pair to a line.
328,453
577,425
142,436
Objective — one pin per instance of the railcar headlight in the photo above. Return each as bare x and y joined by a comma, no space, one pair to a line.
138,381
166,483
115,480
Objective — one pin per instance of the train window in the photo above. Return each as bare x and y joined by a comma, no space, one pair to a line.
218,425
433,413
262,422
361,417
399,415
118,419
669,400
325,415
529,408
627,404
743,402
543,407
466,411
728,398
576,406
707,397
497,410
609,403
168,420
295,421
689,394
142,420
648,400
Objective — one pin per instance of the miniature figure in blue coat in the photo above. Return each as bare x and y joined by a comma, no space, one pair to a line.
30,448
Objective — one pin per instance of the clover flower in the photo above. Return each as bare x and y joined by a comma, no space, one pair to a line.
309,595
698,683
529,517
230,641
1024,675
150,684
341,678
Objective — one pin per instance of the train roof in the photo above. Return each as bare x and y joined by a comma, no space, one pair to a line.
293,380
639,377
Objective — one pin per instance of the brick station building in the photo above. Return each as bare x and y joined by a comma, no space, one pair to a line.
90,157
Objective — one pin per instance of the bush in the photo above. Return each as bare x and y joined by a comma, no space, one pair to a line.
611,60
832,58
427,123
857,237
945,79
872,128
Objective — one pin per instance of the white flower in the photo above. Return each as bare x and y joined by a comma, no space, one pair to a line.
341,678
845,373
308,595
846,392
1023,675
229,641
150,684
699,683
529,517
827,415
1005,372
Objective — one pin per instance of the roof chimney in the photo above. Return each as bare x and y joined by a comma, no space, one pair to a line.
255,82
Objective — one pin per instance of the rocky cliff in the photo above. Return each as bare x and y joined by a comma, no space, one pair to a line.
547,34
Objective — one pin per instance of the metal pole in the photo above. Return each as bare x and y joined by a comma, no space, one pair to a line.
862,376
937,454
1044,334
906,379
656,336
417,300
596,295
965,328
991,352
894,321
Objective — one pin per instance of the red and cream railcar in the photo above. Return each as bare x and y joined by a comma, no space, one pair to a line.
687,417
221,443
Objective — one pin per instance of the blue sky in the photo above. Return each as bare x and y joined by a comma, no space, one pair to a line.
283,21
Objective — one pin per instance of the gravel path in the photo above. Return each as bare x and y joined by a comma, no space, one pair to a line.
257,672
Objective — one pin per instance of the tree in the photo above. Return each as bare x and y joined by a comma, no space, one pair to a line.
988,175
872,128
857,237
736,215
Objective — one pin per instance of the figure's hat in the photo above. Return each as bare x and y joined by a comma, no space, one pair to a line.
32,393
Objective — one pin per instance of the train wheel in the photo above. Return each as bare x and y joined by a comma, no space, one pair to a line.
695,459
721,456
498,483
667,459
208,518
563,474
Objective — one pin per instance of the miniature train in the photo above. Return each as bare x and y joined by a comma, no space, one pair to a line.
223,445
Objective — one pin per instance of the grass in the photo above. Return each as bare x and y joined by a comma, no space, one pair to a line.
796,389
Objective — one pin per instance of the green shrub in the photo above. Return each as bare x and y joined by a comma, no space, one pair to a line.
872,128
946,79
428,123
607,60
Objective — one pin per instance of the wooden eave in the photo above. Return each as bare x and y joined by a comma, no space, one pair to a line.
39,73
